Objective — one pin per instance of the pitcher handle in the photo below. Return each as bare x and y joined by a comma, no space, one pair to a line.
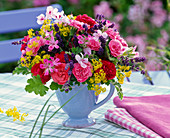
112,87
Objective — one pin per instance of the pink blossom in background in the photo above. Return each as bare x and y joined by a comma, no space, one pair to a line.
140,41
155,5
103,8
159,14
118,18
73,1
169,17
152,64
41,2
135,14
164,39
159,17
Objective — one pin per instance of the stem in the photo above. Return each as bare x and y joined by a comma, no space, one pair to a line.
44,121
39,115
57,111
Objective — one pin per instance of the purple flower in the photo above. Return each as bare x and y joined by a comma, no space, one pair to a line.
56,27
66,58
100,52
75,41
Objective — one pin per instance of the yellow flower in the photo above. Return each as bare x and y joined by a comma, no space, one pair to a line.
128,74
46,56
91,80
36,59
41,32
1,111
29,53
16,114
121,78
30,33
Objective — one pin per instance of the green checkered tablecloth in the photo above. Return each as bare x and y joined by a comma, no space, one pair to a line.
12,94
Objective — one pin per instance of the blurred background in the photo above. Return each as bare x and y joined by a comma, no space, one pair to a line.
145,23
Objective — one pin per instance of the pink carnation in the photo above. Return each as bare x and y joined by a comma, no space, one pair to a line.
35,48
115,47
112,34
82,74
78,24
93,44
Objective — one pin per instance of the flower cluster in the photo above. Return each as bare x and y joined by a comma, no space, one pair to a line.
70,50
15,114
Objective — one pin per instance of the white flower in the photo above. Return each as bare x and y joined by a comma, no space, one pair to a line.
99,33
57,15
40,19
65,19
49,12
87,51
81,60
55,11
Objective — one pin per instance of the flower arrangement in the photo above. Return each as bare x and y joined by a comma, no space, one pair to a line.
69,50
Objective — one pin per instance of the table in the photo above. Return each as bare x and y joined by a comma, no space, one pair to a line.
12,94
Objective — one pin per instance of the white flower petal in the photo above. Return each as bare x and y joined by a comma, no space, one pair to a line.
78,58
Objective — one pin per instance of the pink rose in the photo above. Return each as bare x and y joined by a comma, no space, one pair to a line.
122,41
93,44
115,47
82,74
112,34
61,76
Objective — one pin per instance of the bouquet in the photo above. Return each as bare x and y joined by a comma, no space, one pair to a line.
69,50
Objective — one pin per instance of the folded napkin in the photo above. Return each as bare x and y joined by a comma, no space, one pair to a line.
121,117
152,111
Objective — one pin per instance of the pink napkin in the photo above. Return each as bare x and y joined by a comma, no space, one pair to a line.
121,117
152,111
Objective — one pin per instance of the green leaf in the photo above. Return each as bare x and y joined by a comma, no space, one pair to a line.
55,86
21,69
35,85
76,50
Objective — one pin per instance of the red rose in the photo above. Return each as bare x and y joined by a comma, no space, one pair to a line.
61,76
109,69
86,19
45,78
36,70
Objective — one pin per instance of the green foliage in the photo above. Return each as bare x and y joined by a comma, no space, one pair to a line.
35,85
55,86
7,67
21,69
76,50
118,88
